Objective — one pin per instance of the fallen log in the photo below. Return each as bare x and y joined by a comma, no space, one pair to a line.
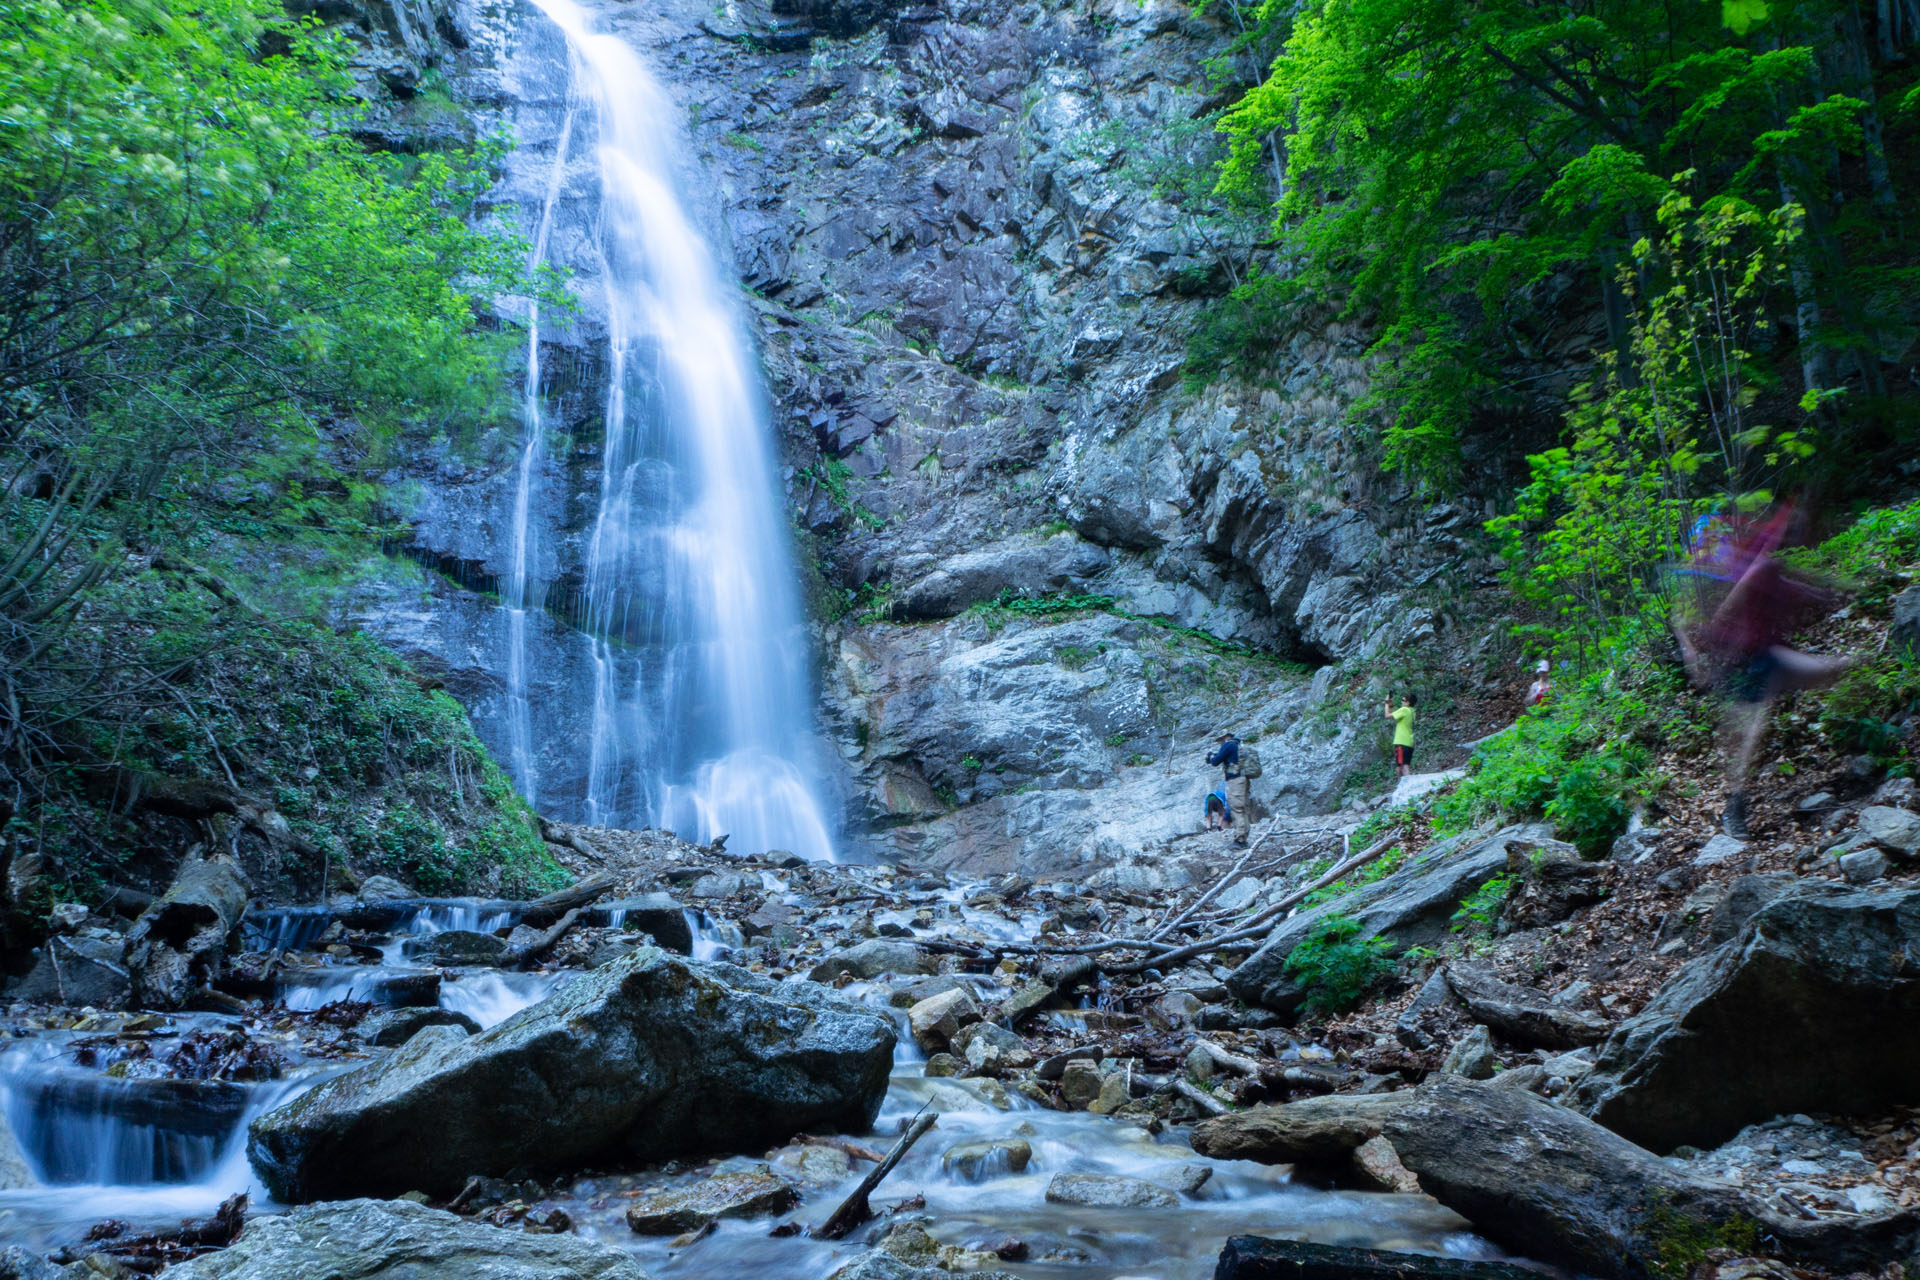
534,946
543,911
855,1210
1199,1097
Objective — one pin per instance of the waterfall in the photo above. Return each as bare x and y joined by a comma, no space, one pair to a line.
701,699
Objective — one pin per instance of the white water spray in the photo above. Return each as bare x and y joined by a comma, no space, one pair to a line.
701,693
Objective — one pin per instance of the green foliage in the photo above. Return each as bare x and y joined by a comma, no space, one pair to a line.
1681,1241
1479,909
1336,966
1581,760
1442,161
835,479
1657,437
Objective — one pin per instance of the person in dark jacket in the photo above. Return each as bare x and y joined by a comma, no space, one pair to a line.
1227,756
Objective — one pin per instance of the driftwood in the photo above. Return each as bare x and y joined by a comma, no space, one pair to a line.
149,1254
1199,1097
543,911
855,1210
537,944
1231,1061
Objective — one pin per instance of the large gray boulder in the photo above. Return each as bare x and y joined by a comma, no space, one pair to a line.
1025,565
400,1240
1547,1183
1811,1006
1412,907
647,1057
1523,1015
81,970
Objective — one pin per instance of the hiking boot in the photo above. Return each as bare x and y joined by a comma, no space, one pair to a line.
1734,820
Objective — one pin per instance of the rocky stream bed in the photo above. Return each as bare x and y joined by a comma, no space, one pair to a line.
687,1062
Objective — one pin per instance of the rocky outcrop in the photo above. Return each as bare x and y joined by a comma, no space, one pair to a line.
180,942
646,1057
1546,1183
1811,1006
1523,1015
750,1193
1413,907
83,969
1256,1258
399,1240
1315,1131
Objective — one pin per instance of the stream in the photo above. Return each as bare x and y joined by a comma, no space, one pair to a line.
107,1135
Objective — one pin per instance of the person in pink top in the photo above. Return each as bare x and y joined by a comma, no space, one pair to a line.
1747,606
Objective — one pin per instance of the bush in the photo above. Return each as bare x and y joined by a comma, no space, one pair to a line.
1337,966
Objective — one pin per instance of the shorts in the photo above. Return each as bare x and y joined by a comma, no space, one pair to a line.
1402,755
1751,680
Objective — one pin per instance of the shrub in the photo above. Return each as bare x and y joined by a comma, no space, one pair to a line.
1337,966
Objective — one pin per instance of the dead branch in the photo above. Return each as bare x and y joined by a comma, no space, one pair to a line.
533,946
1200,1097
855,1210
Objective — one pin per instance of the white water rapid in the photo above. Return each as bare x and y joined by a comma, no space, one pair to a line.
701,697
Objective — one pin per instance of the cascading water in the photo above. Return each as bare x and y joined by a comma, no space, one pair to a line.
700,688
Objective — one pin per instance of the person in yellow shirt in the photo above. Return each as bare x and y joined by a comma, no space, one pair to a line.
1402,717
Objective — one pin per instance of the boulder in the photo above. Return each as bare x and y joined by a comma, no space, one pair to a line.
382,889
884,1266
400,1240
1108,1191
978,1161
180,942
15,1171
1080,1083
1471,1056
1810,1006
1023,564
873,958
1412,907
21,1264
1903,632
1545,1182
81,971
1376,1166
462,946
647,1057
1523,1015
391,1028
1313,1131
987,1046
1895,830
1258,1258
753,1193
937,1019
1554,882
656,914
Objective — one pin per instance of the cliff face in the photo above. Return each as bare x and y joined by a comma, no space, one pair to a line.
972,277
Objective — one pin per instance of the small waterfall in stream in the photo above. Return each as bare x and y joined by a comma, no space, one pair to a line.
701,703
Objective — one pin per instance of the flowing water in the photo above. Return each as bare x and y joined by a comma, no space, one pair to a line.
701,698
152,1151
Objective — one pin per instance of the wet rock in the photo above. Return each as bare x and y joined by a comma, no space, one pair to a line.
79,971
15,1172
648,1057
393,1027
751,1194
656,914
941,1064
20,1264
1811,1006
398,1240
987,1046
1188,1179
180,942
1258,1258
1323,1131
813,1168
1523,1015
1055,1067
1471,1056
462,946
978,1161
936,1020
1413,907
872,959
1544,1182
1107,1191
1896,830
1080,1083
1115,1093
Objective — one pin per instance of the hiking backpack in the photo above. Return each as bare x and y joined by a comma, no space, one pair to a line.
1249,762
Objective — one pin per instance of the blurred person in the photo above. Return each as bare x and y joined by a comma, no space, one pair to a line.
1402,717
1227,756
1745,606
1542,684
